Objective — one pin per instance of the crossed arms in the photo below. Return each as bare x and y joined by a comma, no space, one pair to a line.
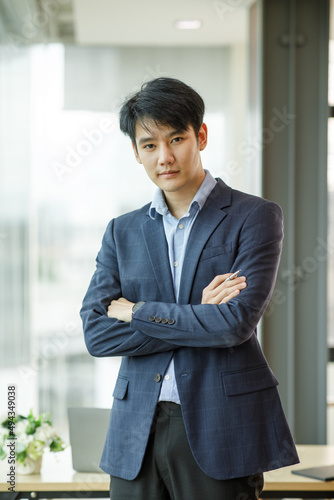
222,319
219,291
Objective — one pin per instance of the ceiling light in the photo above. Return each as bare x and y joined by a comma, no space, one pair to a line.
188,24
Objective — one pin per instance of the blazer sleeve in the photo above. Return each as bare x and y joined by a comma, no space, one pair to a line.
259,243
106,336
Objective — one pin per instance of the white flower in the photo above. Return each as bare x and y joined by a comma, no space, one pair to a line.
25,439
35,449
45,433
21,427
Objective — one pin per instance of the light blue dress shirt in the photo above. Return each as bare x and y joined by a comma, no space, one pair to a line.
177,234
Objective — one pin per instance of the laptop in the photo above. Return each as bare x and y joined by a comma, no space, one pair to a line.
88,430
325,473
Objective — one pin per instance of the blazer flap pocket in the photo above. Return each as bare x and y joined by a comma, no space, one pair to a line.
121,388
210,252
243,382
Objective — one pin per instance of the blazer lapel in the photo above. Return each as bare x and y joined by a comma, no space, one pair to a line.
157,248
207,220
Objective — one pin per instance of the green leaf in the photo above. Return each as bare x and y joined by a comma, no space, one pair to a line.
21,456
31,428
57,445
47,419
8,423
39,421
20,417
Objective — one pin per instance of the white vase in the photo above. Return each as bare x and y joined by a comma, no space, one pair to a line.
30,466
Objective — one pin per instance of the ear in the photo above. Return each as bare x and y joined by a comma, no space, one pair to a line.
136,153
203,137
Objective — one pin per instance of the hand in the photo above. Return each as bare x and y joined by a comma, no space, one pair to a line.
220,291
121,309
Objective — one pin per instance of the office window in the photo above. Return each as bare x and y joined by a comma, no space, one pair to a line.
66,170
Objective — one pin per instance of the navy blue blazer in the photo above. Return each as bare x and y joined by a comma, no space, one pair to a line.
229,399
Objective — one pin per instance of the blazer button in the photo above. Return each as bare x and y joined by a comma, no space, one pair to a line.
151,318
171,321
164,321
157,377
157,319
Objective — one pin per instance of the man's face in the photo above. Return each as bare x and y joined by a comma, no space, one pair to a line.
171,157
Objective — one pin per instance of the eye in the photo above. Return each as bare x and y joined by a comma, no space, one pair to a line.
177,139
149,147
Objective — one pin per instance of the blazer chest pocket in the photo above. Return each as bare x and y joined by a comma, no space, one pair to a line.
246,381
121,388
210,252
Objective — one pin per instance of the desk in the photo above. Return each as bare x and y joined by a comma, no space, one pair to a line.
59,480
281,483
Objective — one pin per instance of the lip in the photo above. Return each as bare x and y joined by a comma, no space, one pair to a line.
169,173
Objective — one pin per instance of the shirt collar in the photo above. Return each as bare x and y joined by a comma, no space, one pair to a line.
159,204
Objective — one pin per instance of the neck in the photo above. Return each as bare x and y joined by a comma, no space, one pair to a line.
178,207
178,201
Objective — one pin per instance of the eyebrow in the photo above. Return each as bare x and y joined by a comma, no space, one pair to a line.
148,139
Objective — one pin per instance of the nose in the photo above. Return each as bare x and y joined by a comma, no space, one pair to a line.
165,155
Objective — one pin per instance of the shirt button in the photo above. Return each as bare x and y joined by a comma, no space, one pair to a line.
181,226
171,321
176,263
164,321
157,319
167,377
151,318
157,377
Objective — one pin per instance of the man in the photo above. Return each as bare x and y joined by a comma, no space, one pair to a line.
196,412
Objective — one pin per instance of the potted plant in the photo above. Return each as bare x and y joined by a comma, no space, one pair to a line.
29,436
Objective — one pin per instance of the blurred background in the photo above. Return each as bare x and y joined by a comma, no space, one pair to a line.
66,170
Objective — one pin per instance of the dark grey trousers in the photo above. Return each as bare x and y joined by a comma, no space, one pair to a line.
170,472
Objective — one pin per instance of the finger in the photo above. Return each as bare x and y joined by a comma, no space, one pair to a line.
229,286
110,311
229,297
217,280
226,293
218,289
239,279
220,285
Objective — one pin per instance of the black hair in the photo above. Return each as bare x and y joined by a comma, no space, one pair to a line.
165,101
